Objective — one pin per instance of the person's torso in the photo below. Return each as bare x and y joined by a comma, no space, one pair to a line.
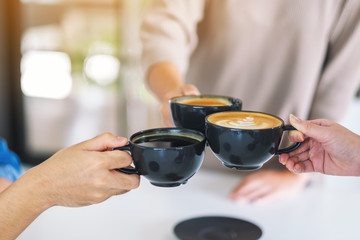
269,54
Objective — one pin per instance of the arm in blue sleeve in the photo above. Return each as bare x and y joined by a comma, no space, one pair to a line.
10,167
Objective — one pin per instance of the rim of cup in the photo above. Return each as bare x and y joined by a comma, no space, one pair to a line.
245,129
197,135
228,98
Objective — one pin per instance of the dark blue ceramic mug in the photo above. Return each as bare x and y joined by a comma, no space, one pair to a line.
190,111
245,140
167,157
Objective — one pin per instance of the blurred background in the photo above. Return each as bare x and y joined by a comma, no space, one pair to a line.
69,71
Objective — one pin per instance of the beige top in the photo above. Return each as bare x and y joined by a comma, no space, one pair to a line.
280,57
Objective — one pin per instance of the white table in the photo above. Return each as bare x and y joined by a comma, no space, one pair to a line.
331,211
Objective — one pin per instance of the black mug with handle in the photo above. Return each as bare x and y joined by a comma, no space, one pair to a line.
167,157
245,140
190,111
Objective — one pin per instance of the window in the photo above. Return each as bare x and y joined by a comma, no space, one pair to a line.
79,73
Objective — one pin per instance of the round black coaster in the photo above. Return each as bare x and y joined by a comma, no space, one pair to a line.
217,228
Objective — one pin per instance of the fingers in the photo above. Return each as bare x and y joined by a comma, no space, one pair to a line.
125,182
312,128
116,159
85,173
187,89
296,156
249,191
322,122
305,146
300,157
122,182
103,142
303,167
256,188
283,159
105,179
166,115
300,163
190,89
249,188
266,185
296,136
256,195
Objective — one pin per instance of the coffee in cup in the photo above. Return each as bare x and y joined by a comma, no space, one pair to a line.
206,101
246,120
245,140
167,157
190,111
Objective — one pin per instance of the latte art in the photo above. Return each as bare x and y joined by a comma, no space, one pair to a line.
245,120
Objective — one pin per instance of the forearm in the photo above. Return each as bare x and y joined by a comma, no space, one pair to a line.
162,78
20,205
4,183
357,154
302,179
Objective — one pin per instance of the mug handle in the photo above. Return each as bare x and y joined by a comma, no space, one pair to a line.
237,104
292,147
126,170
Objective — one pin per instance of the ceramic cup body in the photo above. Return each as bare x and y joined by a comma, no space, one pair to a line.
167,157
245,149
190,111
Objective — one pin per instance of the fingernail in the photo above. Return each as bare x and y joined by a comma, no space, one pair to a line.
232,196
122,138
294,118
300,138
295,171
281,160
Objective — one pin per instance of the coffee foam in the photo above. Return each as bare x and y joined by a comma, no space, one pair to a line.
245,120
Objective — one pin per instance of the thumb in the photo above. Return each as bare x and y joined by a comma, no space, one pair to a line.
190,89
306,127
104,142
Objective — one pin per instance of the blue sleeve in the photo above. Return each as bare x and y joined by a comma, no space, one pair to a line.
10,167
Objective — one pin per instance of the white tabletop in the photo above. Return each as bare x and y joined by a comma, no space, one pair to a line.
330,211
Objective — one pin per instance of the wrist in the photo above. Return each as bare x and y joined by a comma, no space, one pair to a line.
357,154
20,204
37,190
163,78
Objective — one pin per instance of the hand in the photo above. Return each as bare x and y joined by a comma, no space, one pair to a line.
166,82
84,173
187,89
268,185
327,148
76,176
